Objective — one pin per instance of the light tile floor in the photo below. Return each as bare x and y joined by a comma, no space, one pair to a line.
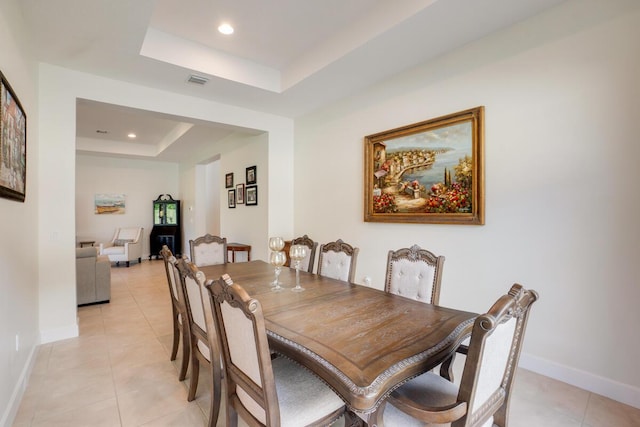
118,373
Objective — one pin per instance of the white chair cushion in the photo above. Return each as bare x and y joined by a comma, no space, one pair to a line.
304,263
208,254
336,265
174,284
494,362
303,398
113,250
195,302
428,390
412,279
204,349
241,339
242,350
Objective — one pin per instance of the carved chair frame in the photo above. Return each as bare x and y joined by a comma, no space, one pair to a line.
305,240
415,253
224,290
178,311
206,239
340,246
515,304
208,337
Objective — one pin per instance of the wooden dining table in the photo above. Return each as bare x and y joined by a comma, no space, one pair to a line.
361,341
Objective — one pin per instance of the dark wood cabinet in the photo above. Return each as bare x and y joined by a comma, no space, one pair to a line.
167,228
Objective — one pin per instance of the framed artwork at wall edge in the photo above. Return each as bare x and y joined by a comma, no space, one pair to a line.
232,198
228,180
252,176
251,195
109,204
13,144
240,194
428,172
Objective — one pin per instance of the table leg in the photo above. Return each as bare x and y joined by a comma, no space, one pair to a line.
352,420
372,419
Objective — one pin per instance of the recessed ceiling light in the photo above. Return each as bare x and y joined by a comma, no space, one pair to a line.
132,135
225,29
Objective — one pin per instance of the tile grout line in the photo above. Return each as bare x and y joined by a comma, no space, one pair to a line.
586,410
115,388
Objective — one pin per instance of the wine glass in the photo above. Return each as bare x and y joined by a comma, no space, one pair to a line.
298,253
278,259
276,243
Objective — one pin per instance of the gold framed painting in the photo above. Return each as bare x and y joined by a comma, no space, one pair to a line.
13,144
427,172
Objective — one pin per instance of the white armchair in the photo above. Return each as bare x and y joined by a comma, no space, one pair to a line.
125,246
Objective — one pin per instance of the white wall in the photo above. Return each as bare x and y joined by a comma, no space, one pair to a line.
562,105
247,224
213,183
141,181
59,89
19,226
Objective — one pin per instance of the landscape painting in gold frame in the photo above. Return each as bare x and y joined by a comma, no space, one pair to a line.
427,172
13,144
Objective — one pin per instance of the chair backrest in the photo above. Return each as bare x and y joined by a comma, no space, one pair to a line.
494,350
129,234
245,352
338,260
169,263
192,282
414,273
307,263
208,250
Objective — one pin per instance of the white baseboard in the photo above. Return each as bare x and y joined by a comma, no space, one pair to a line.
620,392
51,335
18,391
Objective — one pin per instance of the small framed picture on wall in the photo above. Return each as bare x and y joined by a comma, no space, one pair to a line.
251,195
240,194
228,180
232,198
252,176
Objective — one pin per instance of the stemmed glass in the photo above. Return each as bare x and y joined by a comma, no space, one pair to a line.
277,258
276,243
297,253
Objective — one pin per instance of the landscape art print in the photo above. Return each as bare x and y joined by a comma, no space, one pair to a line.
109,204
428,172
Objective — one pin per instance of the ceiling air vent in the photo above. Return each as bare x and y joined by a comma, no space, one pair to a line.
199,80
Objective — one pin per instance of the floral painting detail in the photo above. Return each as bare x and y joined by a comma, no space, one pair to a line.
427,172
384,203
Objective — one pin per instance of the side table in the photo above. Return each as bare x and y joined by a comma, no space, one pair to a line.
239,247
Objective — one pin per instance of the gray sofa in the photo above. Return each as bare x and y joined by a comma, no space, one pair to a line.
93,276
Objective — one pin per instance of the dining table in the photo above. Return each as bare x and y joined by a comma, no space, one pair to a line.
363,342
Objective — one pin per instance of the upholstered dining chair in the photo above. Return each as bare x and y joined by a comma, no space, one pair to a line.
485,389
338,260
307,263
414,273
208,250
178,311
252,377
204,343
